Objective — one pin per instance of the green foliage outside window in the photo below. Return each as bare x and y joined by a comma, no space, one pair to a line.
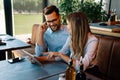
67,6
27,6
92,9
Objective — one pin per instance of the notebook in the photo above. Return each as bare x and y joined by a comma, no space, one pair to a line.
33,57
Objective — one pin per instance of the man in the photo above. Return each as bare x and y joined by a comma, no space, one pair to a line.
52,35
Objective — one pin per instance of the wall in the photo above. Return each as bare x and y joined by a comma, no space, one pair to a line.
116,5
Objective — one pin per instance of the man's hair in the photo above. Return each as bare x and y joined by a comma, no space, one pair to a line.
50,9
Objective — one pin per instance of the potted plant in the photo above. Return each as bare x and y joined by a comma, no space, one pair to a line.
92,9
66,7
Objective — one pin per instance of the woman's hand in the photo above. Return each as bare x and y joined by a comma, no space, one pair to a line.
52,54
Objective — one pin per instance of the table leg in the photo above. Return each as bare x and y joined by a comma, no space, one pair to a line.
9,55
2,55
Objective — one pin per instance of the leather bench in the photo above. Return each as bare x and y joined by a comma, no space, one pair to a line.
108,58
32,41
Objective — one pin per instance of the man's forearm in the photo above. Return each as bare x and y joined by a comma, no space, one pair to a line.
40,40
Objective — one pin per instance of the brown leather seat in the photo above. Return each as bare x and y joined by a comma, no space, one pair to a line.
33,39
108,58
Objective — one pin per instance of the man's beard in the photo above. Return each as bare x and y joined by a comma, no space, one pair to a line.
55,28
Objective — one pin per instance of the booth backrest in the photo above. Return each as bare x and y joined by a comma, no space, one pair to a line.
35,32
33,39
108,57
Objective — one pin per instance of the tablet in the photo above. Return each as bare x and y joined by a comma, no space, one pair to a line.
33,57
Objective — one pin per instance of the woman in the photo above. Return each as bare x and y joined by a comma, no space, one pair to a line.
82,42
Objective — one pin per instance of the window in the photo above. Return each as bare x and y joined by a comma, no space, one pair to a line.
2,18
25,14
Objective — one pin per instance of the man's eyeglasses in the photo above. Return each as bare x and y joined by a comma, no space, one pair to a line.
52,21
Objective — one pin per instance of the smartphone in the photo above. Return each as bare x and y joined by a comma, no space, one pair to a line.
2,43
18,59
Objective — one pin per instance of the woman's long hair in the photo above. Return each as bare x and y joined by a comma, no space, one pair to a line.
79,32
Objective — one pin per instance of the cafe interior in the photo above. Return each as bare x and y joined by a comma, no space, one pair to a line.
19,24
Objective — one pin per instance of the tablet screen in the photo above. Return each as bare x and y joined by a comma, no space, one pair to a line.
33,57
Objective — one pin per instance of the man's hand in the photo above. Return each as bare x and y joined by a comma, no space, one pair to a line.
31,60
43,27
